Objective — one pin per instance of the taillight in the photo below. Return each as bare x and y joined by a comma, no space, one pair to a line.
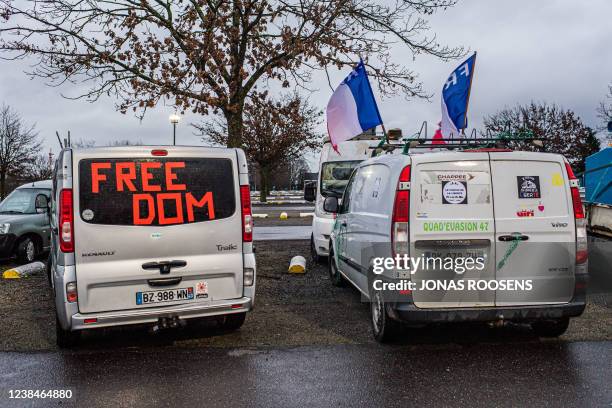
247,216
581,234
159,152
576,200
71,292
66,221
401,209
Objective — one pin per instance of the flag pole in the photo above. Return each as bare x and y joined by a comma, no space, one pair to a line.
467,103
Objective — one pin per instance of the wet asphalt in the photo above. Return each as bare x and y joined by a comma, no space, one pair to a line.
542,374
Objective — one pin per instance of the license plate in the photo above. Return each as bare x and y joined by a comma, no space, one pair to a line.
162,296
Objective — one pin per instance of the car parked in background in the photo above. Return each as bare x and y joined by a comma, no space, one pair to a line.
24,222
520,212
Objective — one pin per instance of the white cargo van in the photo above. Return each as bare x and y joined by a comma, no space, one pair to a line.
335,169
520,213
150,235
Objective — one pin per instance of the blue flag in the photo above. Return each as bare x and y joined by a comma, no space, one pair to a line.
455,97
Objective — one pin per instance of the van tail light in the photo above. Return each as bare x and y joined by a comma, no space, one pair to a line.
576,201
71,292
247,216
581,234
248,276
66,221
401,210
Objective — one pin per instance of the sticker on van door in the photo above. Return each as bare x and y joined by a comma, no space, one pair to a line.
454,192
528,186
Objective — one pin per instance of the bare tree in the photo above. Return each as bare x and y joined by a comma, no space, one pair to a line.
297,168
83,143
562,131
125,142
89,143
40,168
275,133
207,56
604,111
19,145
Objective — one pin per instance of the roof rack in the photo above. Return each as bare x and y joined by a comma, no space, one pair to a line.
500,140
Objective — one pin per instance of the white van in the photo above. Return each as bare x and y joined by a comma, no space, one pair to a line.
520,213
335,169
150,235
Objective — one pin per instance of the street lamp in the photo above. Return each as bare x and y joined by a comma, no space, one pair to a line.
174,119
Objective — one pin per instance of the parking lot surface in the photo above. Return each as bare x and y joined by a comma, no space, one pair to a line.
291,310
307,343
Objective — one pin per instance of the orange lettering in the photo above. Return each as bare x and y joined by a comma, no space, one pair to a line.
170,186
96,177
146,176
163,220
125,178
207,199
138,220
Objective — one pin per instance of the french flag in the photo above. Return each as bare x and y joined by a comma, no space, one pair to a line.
352,108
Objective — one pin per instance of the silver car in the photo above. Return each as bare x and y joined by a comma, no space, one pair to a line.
24,222
150,235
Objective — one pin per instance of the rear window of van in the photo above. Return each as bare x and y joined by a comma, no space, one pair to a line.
159,191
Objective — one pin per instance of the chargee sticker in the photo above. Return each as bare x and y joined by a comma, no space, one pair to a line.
528,186
454,192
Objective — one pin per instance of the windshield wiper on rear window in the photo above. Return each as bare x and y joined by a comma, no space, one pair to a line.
11,212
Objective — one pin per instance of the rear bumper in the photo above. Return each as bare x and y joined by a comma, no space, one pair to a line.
152,315
409,313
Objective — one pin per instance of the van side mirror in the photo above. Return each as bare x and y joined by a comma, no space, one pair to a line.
41,203
310,192
330,205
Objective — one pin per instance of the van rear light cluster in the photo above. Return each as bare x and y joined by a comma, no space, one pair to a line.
401,209
248,276
66,221
247,216
576,201
581,234
71,292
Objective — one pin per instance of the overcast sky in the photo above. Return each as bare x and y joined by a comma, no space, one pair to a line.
552,50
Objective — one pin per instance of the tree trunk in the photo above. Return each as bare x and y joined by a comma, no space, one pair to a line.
264,180
2,184
234,128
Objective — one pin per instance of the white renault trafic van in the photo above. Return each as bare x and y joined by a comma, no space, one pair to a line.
518,215
150,235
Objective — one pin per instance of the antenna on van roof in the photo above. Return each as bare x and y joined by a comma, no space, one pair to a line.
59,140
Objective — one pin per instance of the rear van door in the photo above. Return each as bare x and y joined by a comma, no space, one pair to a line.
534,227
451,216
156,227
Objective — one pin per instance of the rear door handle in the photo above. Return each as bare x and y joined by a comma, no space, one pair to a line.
515,237
165,281
164,266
